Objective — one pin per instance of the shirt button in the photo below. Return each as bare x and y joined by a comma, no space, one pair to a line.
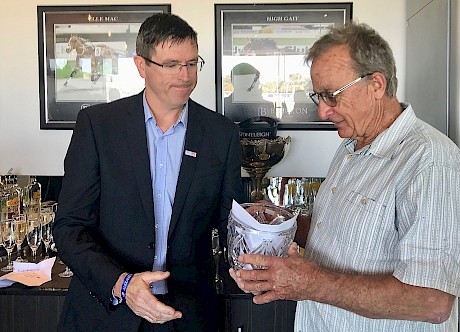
155,257
161,165
363,201
334,189
349,157
156,226
318,225
158,195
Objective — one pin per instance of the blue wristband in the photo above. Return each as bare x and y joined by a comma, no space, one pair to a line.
124,286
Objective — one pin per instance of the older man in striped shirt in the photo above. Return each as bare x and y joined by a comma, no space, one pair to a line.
383,251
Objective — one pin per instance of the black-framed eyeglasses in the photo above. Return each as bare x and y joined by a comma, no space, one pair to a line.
330,98
173,68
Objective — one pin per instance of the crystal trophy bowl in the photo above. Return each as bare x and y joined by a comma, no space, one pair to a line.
269,231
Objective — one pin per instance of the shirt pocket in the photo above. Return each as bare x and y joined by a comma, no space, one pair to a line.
362,226
365,204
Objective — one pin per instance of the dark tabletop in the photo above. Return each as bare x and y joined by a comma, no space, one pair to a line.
57,285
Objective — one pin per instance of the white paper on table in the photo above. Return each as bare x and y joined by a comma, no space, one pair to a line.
244,217
29,274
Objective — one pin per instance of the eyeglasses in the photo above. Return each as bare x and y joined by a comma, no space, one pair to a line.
173,68
330,98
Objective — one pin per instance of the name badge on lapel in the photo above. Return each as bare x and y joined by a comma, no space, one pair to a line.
190,153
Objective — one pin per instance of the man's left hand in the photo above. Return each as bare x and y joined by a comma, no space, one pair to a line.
285,278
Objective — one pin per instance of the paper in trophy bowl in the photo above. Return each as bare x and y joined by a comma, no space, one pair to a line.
246,235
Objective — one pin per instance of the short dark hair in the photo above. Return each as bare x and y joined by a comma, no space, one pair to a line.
368,50
161,28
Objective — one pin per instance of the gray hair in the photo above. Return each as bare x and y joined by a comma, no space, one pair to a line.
368,50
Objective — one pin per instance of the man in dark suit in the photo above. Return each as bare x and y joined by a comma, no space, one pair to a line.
146,180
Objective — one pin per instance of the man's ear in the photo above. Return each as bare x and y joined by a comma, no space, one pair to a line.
140,65
378,85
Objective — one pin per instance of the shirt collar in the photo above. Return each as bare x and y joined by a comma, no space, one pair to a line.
183,118
384,144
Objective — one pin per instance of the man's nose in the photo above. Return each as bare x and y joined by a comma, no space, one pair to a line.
324,110
184,73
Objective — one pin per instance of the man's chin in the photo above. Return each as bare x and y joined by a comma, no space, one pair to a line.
342,134
342,130
181,98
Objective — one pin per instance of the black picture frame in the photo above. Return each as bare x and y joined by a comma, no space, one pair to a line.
94,45
262,46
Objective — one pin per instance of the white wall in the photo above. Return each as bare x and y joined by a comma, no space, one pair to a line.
29,150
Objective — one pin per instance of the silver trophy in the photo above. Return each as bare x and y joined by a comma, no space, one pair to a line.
259,156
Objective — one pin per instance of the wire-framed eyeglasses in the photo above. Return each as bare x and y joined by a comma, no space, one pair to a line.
173,68
330,98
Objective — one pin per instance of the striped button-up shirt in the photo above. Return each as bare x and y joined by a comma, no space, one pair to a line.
392,207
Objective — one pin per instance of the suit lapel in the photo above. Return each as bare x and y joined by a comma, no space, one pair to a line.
137,147
193,141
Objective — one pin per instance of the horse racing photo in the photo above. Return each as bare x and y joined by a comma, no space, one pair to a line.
261,71
90,67
86,58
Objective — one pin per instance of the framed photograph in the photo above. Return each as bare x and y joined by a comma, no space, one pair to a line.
260,69
85,57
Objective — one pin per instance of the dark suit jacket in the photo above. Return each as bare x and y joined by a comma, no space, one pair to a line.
105,219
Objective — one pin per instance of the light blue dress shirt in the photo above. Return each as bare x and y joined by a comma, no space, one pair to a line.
165,154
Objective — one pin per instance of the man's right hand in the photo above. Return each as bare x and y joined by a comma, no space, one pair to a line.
144,304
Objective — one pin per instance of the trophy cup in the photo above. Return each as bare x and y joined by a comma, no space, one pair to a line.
259,228
261,150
